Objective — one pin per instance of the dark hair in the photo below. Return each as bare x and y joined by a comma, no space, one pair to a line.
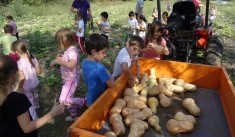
141,17
131,13
97,42
104,14
65,38
78,15
165,13
7,67
136,40
21,47
9,17
8,29
151,31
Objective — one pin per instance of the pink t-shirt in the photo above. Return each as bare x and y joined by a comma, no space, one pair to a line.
31,79
67,73
152,54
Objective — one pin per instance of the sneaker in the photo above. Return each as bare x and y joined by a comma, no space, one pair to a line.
70,118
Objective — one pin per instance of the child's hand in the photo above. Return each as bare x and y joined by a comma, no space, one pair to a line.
157,48
59,56
53,62
132,81
57,109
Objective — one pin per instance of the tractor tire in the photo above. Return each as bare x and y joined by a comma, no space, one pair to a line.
214,51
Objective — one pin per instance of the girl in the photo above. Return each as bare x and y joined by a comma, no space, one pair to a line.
155,14
16,120
164,18
69,70
155,45
28,70
79,27
11,22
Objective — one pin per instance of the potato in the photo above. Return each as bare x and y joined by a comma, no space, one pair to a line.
191,106
136,130
175,126
118,106
189,87
115,120
129,111
164,100
181,116
110,134
130,92
179,82
144,114
130,119
153,104
154,121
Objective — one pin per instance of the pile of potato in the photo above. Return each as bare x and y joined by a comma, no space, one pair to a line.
139,105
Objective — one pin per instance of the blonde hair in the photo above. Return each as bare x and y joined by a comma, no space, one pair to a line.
7,67
65,38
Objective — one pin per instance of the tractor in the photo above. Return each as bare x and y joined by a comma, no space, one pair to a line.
187,39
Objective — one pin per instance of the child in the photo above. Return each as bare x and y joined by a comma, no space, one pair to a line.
141,26
7,40
164,18
104,26
13,24
132,23
155,44
125,57
212,13
16,120
90,21
155,14
80,32
29,69
69,70
95,74
168,7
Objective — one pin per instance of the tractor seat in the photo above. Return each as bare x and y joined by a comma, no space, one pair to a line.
183,14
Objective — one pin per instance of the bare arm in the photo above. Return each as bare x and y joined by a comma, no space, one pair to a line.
89,11
20,83
132,79
110,83
28,126
74,10
70,64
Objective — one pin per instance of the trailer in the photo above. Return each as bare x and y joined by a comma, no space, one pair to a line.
215,95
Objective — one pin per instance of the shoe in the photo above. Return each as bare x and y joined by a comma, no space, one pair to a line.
69,118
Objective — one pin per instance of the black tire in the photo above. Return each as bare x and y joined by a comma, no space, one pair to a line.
214,51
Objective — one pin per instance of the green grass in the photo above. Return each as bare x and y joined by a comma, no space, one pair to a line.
38,25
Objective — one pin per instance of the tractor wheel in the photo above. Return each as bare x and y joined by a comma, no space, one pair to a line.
214,51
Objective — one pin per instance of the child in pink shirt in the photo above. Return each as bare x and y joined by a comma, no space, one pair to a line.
28,80
69,70
155,44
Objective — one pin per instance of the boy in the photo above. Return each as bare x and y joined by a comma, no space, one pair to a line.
79,26
13,24
104,26
141,26
95,74
125,57
8,39
132,23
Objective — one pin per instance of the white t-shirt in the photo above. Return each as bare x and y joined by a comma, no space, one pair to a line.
80,26
132,24
139,4
123,56
142,32
104,25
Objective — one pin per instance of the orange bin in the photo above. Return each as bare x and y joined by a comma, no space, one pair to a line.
205,76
